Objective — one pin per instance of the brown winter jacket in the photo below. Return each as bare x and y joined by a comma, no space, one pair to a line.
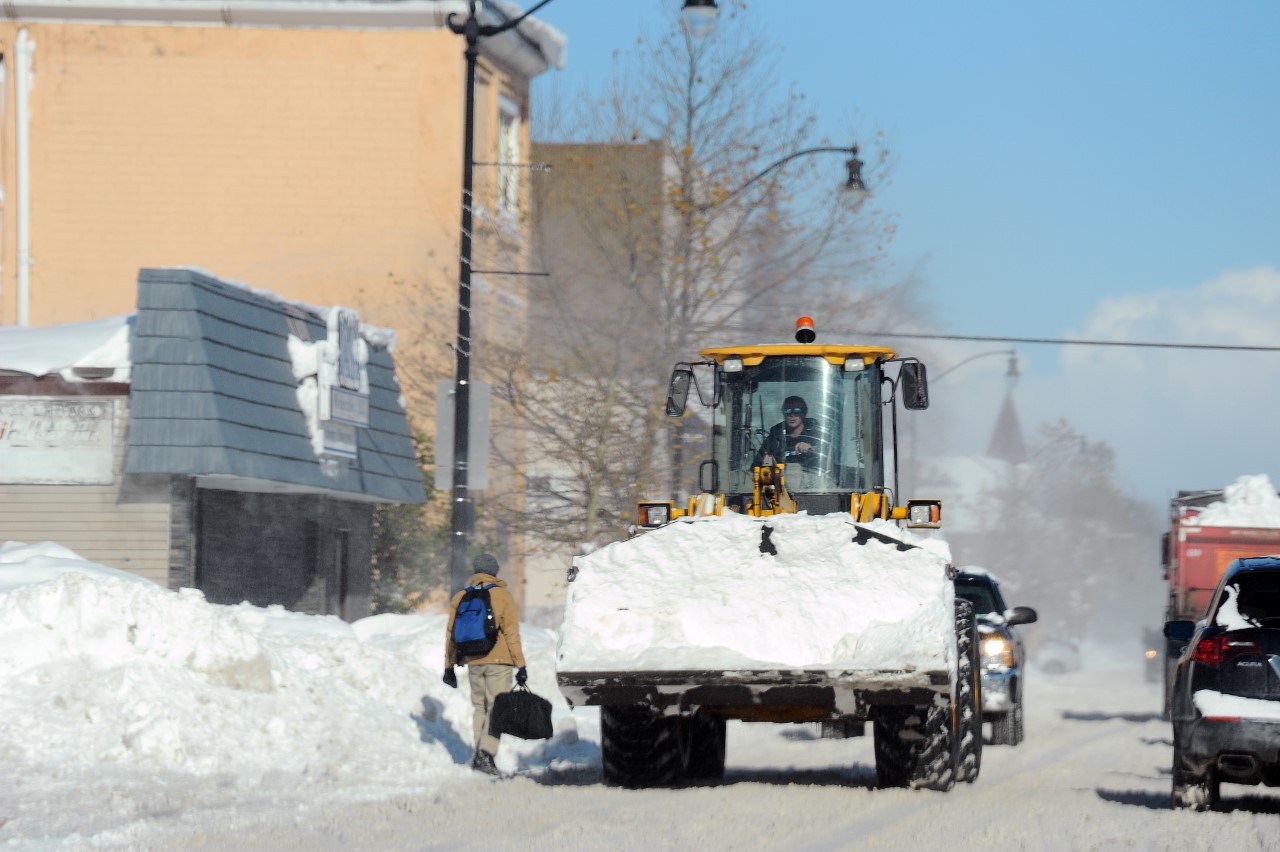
506,651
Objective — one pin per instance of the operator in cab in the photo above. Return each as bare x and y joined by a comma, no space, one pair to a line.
797,439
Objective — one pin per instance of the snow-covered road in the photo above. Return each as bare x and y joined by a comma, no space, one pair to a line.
1093,773
133,717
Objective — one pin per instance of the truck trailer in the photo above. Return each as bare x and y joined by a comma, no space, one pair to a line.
1195,553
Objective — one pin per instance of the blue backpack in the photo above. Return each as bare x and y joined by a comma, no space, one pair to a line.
475,631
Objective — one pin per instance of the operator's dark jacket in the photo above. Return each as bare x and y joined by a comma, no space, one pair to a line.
507,650
778,441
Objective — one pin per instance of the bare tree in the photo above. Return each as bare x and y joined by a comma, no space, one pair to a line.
1068,539
661,236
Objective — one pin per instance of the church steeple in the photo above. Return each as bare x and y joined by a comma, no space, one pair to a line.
1006,438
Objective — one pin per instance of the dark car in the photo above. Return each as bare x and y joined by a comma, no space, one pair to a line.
1003,657
1225,707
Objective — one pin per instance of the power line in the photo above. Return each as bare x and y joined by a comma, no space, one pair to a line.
1060,341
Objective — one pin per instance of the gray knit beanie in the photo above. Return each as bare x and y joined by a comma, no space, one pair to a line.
485,563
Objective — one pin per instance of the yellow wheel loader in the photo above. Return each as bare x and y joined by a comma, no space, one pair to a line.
786,590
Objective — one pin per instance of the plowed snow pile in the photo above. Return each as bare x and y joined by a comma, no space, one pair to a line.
101,668
1251,501
699,594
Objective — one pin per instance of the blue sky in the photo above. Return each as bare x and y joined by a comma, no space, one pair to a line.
1067,170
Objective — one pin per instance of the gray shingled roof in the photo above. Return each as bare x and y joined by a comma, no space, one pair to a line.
213,394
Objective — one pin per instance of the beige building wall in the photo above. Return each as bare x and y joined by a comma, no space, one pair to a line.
322,164
124,524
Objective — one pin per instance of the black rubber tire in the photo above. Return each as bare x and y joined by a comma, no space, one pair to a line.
892,749
968,695
1019,727
638,747
703,747
1007,728
1198,792
913,747
1002,729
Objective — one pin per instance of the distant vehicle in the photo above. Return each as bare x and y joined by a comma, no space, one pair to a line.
1057,656
1003,657
1225,705
1194,558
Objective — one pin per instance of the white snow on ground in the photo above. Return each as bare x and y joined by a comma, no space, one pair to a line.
822,602
1251,501
100,667
136,718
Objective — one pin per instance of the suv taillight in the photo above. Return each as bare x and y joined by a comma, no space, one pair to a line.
1216,650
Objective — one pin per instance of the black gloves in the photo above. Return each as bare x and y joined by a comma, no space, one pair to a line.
450,678
521,676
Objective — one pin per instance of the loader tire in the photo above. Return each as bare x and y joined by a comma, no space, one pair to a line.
703,747
638,747
914,747
968,695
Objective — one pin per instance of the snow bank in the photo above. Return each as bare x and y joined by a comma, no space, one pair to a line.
1251,501
698,594
99,667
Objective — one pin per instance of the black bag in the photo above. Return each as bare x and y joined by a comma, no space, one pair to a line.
522,714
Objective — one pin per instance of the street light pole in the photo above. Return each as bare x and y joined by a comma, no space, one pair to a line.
852,183
699,15
1011,373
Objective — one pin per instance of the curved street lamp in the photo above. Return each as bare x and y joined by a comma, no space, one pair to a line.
1011,373
699,17
853,182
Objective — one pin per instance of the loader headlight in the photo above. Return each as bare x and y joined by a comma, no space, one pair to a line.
654,514
924,513
733,365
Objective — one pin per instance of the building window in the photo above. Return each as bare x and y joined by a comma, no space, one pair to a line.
508,157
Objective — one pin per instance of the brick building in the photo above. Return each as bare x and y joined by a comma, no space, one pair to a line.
219,438
313,147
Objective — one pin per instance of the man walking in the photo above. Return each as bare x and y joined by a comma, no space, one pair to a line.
490,673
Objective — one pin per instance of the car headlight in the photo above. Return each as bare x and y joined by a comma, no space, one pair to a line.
997,649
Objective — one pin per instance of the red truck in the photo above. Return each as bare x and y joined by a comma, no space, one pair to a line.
1194,558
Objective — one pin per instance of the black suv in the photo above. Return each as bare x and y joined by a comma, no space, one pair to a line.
1225,707
1003,658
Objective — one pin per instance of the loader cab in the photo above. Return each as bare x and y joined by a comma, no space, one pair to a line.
838,417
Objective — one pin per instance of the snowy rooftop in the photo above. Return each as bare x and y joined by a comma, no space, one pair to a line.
69,350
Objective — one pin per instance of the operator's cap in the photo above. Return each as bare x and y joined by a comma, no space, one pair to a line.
485,563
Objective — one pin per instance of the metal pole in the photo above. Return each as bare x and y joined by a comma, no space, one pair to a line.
462,514
463,508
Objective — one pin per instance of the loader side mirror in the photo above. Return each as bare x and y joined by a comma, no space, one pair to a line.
678,390
915,386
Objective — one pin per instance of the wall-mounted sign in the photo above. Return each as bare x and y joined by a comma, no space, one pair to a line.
343,380
345,406
57,440
340,440
351,372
